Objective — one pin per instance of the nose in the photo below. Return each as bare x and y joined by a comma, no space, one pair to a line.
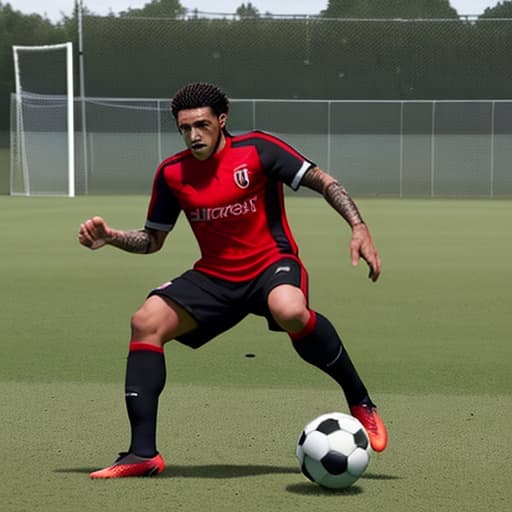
194,134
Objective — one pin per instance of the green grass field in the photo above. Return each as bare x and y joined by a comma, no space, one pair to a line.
431,338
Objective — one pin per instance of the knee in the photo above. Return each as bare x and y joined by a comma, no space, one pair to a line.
289,311
291,317
141,323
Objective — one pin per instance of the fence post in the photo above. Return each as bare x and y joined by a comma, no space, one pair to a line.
491,173
433,150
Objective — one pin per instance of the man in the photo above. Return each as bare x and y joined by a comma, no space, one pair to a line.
230,189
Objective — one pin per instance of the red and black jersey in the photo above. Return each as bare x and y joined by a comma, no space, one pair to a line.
233,201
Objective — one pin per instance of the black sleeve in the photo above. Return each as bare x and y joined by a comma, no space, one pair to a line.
279,160
164,208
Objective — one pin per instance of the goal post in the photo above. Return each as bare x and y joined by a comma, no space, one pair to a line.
43,135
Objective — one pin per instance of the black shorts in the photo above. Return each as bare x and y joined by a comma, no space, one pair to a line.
217,304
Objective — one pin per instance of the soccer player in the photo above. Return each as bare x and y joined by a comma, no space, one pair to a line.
230,188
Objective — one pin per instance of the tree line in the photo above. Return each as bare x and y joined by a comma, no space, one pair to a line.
146,52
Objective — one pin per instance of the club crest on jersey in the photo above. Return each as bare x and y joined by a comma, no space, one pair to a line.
241,177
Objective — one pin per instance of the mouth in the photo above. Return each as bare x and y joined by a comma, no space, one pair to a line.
196,146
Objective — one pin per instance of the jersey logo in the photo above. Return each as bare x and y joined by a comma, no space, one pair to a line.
241,177
223,212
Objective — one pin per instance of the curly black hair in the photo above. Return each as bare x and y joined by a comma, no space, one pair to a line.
200,94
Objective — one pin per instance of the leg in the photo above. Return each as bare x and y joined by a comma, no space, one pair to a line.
204,315
317,342
156,322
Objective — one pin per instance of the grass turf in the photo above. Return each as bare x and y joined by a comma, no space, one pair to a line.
431,340
231,449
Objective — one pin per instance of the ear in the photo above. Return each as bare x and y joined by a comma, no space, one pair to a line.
223,119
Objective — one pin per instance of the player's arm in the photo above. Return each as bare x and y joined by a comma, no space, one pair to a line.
334,193
361,245
95,233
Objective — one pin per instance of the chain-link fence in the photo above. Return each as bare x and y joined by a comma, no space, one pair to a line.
376,148
310,58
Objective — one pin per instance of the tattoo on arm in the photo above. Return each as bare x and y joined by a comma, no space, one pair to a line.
334,193
314,179
136,240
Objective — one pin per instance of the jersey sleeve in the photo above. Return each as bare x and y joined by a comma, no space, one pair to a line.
164,208
281,161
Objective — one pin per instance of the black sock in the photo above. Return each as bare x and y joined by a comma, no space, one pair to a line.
145,380
319,344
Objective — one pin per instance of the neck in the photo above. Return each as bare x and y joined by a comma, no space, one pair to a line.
221,142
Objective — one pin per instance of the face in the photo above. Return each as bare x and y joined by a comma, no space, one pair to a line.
202,131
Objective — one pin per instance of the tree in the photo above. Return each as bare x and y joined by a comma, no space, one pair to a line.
500,10
157,9
247,11
389,9
17,28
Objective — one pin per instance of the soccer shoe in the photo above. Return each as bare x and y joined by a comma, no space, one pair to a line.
128,464
372,422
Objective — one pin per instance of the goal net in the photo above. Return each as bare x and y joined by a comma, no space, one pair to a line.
42,123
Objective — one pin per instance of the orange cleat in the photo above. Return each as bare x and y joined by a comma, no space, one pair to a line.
129,464
372,422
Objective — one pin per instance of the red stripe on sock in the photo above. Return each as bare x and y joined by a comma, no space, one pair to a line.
140,345
307,330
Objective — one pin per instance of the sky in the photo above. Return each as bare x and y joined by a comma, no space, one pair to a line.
54,9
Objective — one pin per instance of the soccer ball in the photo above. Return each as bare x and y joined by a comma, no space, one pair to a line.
333,450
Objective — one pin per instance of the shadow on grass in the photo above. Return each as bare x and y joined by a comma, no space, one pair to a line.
310,489
221,471
226,471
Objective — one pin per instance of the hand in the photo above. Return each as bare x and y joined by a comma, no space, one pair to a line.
362,246
94,233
